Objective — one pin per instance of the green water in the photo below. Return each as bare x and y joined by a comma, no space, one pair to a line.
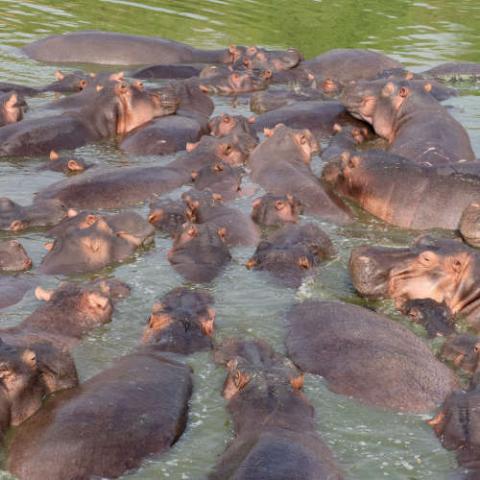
369,444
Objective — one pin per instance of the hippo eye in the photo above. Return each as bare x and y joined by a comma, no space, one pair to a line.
426,258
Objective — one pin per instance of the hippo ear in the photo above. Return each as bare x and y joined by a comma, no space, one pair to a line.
74,166
403,92
436,420
117,77
297,382
192,231
194,175
48,245
12,101
354,161
388,89
232,48
257,202
337,128
71,212
97,301
409,76
227,149
222,233
207,323
267,74
329,85
204,88
59,75
99,88
427,87
156,216
251,263
17,225
159,321
304,262
189,147
268,132
29,358
42,294
217,197
218,167
54,155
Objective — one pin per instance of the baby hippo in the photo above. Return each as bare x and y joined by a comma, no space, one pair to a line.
13,257
67,165
12,108
182,322
199,253
96,242
69,312
292,252
275,433
275,210
29,372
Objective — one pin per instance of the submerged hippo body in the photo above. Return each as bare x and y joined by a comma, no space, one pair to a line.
12,290
367,356
275,433
82,433
446,271
280,164
108,48
13,257
403,193
453,71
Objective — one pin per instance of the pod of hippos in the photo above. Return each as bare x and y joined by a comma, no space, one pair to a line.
359,133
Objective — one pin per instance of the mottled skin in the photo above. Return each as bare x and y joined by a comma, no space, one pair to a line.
453,71
15,217
275,210
220,178
367,356
235,227
292,253
83,431
236,82
29,372
199,253
98,243
318,116
168,216
280,164
435,317
446,271
463,351
12,108
68,165
13,257
274,423
414,123
181,322
109,48
117,109
12,290
401,192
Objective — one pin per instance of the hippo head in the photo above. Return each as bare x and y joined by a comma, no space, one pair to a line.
20,379
470,224
360,98
68,165
13,257
220,178
12,108
168,216
232,83
463,351
227,149
232,54
276,61
303,141
196,201
225,124
69,82
446,271
182,322
272,210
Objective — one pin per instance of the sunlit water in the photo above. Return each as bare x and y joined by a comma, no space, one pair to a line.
367,443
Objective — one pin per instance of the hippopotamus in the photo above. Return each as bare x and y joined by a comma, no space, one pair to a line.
69,313
275,210
181,322
225,124
168,215
470,223
122,108
165,72
292,252
367,356
463,351
68,165
199,252
259,58
275,432
100,241
12,290
435,317
235,227
439,269
220,178
12,108
143,393
403,193
280,164
170,134
13,257
316,115
29,372
456,426
110,48
16,217
453,71
235,82
414,123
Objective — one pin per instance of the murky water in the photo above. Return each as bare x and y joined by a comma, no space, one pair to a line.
368,443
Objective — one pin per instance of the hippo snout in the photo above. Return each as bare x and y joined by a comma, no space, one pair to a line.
368,276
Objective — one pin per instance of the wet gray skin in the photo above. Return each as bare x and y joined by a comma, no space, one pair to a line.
12,108
108,48
166,72
366,355
463,352
13,257
275,437
12,290
446,271
168,216
403,193
220,178
143,385
276,210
